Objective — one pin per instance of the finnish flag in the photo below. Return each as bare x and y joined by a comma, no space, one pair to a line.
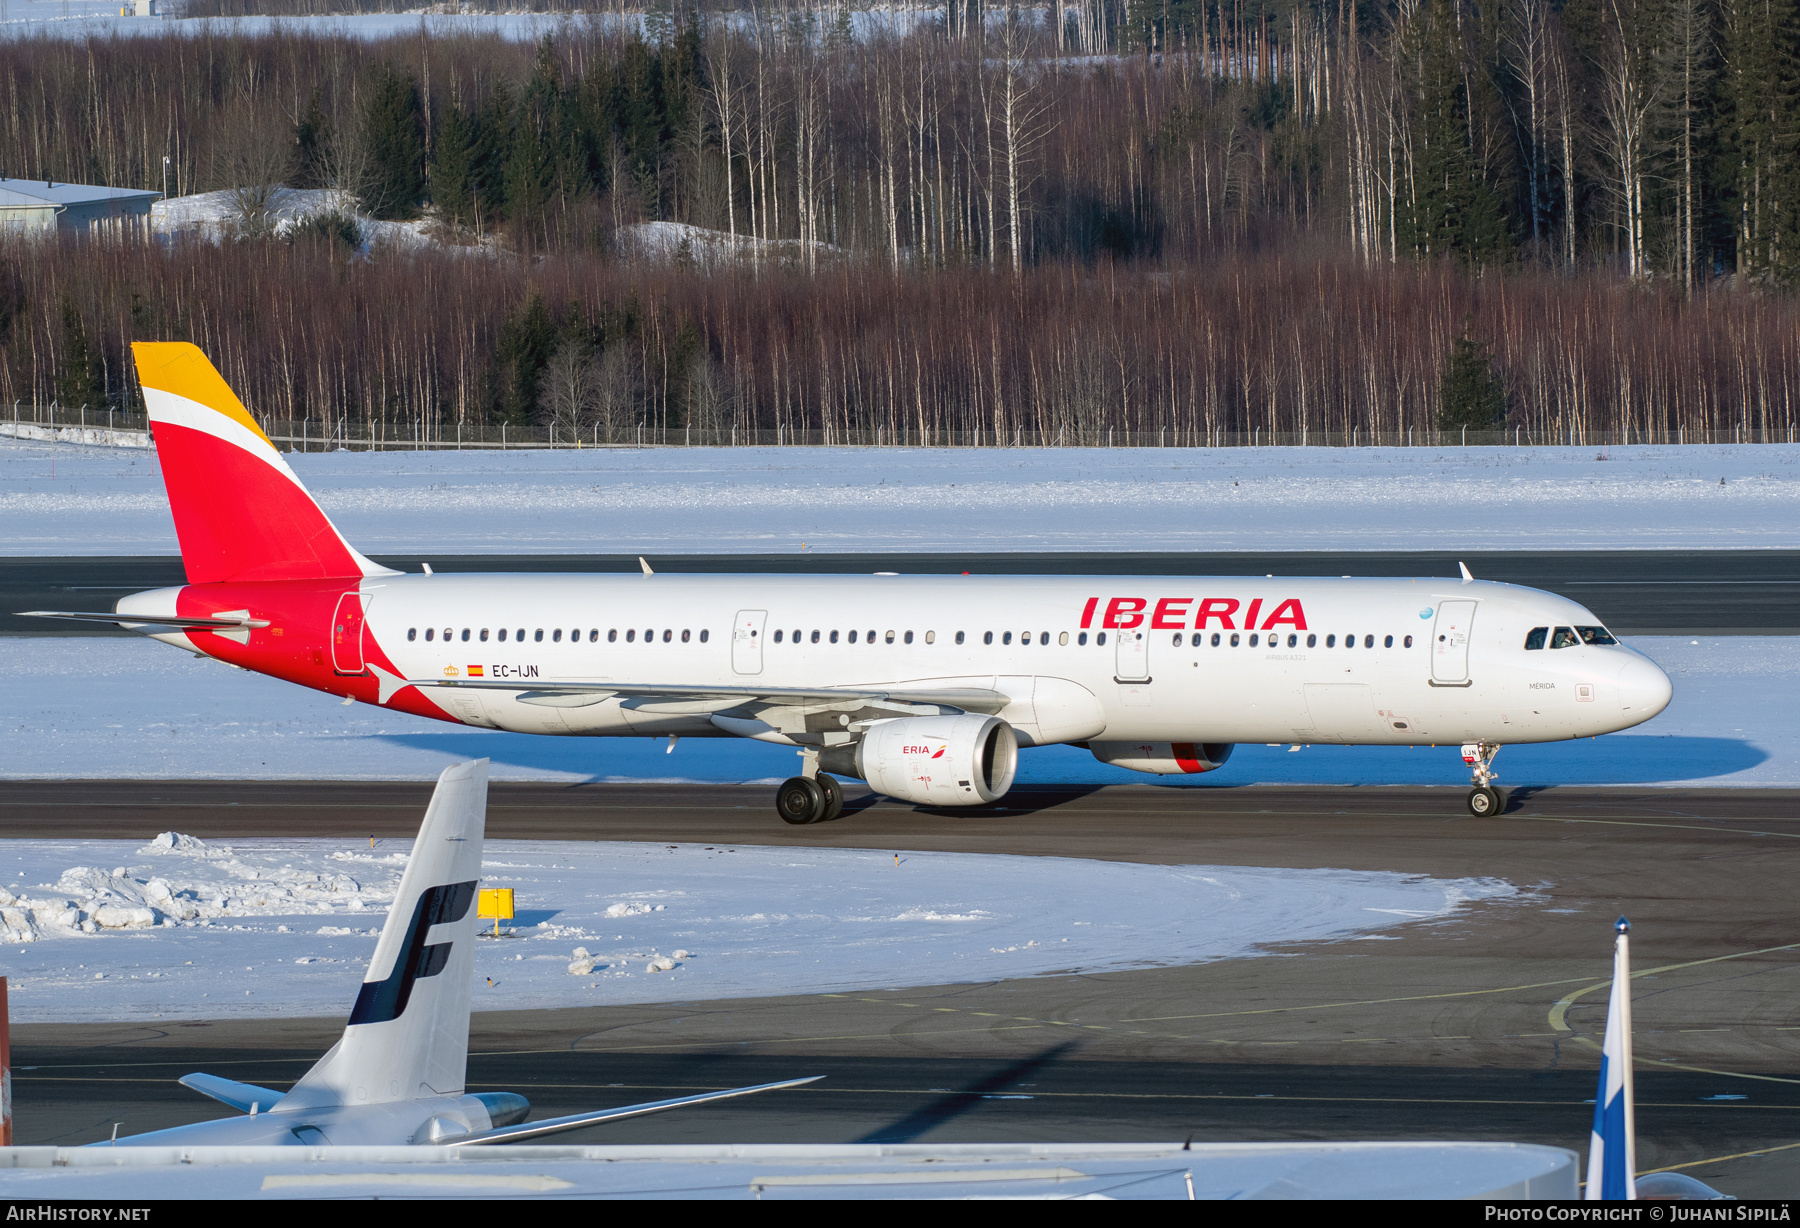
1612,1151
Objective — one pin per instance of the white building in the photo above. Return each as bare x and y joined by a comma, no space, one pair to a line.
39,206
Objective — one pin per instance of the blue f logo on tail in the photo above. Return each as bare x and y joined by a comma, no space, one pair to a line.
382,1001
1612,1151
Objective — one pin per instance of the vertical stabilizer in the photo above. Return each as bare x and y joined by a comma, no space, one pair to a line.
240,513
408,1035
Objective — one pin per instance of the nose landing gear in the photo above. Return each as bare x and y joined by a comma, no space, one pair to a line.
1485,800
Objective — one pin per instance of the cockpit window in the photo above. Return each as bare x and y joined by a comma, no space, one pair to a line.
1595,635
1534,638
1563,637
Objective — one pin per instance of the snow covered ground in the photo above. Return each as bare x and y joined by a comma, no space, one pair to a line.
64,499
137,709
116,930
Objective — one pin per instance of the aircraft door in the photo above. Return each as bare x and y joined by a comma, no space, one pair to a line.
1133,656
746,641
1450,643
347,635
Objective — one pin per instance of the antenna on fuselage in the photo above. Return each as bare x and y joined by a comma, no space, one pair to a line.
1464,568
645,566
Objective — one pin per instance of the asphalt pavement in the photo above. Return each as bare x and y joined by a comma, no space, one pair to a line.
1635,592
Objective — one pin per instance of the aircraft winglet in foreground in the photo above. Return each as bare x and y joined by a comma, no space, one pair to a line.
926,687
396,1076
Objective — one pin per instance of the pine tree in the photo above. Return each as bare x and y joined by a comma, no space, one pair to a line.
527,339
1457,212
1765,88
455,166
1470,393
393,136
312,143
81,379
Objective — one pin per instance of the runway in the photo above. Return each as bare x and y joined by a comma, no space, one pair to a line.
1479,1026
1636,592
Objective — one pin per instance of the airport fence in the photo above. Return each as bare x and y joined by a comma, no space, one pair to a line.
111,426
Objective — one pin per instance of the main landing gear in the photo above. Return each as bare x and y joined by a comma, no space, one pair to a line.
1485,801
809,799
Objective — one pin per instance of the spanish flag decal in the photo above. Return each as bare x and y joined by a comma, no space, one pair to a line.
475,671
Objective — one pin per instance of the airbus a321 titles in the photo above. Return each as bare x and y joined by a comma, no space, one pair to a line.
925,687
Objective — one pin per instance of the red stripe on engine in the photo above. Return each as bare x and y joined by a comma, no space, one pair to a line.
1185,757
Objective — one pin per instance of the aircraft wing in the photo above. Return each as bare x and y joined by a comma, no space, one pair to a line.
579,694
575,1121
239,1096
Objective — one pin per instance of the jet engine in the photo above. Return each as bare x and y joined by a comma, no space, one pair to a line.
939,760
1163,758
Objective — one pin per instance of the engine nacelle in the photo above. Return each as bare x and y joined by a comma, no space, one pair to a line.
940,760
1163,758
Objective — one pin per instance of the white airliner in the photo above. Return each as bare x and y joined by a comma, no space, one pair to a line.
396,1077
926,687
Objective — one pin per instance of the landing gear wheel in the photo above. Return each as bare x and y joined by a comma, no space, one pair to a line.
834,797
800,800
1486,801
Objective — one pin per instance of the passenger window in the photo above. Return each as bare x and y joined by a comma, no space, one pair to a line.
612,637
667,635
1388,642
593,636
1081,640
484,635
1293,641
815,637
834,636
519,635
503,635
987,637
1100,639
631,635
1368,641
778,636
852,637
1349,641
555,636
908,637
1062,640
1215,639
430,634
448,631
1177,642
1234,641
1595,635
1253,641
1331,641
931,637
1006,638
1312,641
1564,637
684,635
705,635
1534,639
412,633
1409,641
959,637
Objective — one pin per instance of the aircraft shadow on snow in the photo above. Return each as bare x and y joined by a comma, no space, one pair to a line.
1614,760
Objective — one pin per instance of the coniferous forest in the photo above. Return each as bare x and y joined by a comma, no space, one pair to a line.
1160,217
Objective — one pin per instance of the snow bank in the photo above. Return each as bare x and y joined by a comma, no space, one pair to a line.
95,436
682,500
135,709
182,928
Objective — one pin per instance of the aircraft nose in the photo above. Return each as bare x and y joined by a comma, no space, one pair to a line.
1644,690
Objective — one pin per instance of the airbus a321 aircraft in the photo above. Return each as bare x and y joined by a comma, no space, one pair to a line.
926,687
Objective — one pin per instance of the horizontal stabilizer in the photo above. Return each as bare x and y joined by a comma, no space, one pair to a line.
143,620
240,1096
969,699
556,1125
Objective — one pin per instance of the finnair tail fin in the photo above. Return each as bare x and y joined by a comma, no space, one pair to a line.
408,1036
240,513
